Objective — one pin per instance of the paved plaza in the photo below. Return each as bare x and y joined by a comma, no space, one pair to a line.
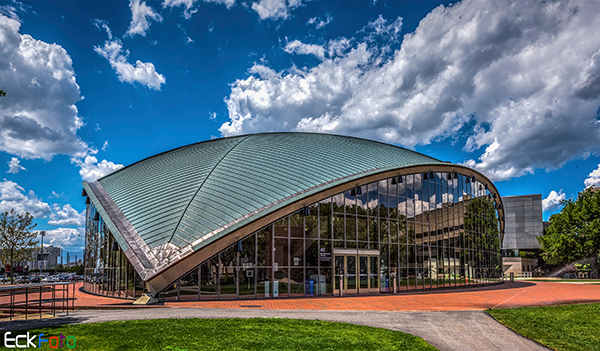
507,295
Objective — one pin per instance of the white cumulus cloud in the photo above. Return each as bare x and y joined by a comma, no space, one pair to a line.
66,216
593,178
70,238
141,15
522,77
275,9
553,200
297,47
112,50
91,169
143,72
13,196
14,166
38,118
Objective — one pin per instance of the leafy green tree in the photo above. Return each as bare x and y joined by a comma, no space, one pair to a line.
2,92
574,233
17,241
481,232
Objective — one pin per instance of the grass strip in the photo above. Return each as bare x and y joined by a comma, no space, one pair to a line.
233,334
564,328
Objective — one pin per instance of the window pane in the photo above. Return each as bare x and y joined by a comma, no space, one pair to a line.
297,225
281,228
209,279
362,201
188,286
338,226
312,253
297,252
264,247
350,228
350,201
297,282
362,229
281,252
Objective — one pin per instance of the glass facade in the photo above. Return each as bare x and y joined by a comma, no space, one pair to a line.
412,232
107,270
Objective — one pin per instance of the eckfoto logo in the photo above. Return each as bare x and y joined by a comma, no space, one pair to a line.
25,341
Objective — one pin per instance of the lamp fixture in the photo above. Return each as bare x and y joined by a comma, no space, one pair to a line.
358,191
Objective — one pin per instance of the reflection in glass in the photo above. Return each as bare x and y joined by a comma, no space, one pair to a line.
432,230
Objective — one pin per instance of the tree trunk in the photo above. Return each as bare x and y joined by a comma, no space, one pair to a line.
12,280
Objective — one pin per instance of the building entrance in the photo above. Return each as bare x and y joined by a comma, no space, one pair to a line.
356,271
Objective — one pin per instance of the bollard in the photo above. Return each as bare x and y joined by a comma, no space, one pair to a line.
395,279
512,277
341,284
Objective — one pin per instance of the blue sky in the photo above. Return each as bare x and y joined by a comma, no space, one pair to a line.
511,89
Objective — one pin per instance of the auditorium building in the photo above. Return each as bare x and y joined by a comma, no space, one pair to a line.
279,215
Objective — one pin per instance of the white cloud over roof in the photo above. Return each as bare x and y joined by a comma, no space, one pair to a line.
522,76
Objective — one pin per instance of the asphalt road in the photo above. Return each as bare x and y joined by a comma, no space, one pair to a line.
445,330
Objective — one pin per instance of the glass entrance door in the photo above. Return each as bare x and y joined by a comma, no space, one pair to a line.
364,274
350,275
358,274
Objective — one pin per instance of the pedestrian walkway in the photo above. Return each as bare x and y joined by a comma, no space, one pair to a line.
507,295
448,331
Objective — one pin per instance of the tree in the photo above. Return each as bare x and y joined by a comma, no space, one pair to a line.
2,93
574,233
17,242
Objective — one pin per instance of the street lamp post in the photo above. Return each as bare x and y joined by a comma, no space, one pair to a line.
42,233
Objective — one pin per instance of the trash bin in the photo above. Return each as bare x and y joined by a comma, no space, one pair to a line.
309,287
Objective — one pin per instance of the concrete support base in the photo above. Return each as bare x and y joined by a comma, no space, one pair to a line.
146,299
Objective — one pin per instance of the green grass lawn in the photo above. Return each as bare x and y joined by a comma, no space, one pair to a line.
570,327
233,334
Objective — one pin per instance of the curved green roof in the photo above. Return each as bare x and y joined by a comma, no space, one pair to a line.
188,197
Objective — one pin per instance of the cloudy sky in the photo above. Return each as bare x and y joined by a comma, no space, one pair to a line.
509,88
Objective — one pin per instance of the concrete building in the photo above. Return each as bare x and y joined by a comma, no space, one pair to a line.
524,224
50,257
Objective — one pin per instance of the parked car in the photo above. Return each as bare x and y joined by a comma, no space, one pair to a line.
23,279
34,279
50,279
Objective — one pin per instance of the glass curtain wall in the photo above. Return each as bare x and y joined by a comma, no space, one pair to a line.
107,270
411,232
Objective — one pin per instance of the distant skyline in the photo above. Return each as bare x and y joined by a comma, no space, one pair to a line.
511,88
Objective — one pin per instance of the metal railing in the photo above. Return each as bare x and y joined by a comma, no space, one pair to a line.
36,300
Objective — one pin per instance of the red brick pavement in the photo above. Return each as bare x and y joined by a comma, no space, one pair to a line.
508,295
